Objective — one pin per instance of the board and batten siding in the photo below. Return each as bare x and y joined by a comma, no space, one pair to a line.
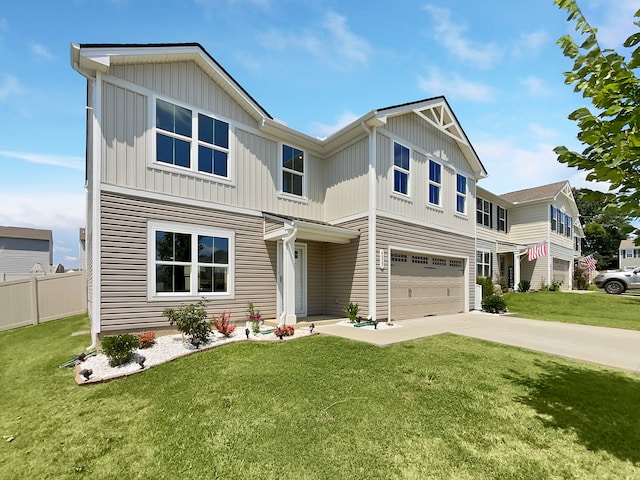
124,304
347,181
416,238
416,204
253,163
346,271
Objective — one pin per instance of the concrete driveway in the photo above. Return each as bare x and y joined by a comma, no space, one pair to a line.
610,347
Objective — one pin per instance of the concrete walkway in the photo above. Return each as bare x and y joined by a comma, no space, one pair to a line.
610,347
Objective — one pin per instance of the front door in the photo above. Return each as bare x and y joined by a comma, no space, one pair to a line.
301,280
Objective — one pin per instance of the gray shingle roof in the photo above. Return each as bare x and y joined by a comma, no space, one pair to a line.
29,233
536,193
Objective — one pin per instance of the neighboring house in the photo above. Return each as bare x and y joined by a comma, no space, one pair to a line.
511,224
628,255
195,191
21,249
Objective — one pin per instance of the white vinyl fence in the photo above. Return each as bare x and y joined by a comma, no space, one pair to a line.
34,300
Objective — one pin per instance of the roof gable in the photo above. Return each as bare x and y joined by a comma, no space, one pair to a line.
543,192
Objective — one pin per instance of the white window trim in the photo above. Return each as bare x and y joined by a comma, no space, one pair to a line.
430,182
153,226
402,170
489,213
194,142
304,198
464,194
498,219
490,264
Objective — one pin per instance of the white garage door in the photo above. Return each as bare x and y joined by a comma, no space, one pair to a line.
423,285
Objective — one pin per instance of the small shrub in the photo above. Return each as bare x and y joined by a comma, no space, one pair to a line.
190,320
580,278
146,339
284,331
494,304
223,324
504,284
119,348
524,285
487,286
254,317
555,286
351,311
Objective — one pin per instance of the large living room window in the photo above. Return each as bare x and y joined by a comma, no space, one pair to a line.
189,261
401,165
435,182
176,145
292,171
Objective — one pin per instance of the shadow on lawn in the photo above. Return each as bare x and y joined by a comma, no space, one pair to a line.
602,408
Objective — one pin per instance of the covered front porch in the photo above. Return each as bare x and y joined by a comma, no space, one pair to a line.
313,260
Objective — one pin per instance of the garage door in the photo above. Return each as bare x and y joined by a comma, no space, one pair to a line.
561,272
423,285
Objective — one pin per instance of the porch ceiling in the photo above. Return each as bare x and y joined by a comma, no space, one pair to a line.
310,231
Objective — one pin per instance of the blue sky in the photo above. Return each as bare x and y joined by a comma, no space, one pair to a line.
315,64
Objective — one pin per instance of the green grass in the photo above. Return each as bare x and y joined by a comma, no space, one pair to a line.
321,407
616,311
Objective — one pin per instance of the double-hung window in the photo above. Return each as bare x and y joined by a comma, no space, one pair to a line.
186,260
435,182
483,212
560,222
401,165
461,193
292,171
176,145
568,225
483,263
553,213
502,218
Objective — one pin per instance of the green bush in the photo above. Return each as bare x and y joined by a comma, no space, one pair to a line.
190,320
555,285
487,286
351,311
524,285
580,279
494,304
119,348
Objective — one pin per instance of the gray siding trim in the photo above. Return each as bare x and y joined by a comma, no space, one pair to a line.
124,304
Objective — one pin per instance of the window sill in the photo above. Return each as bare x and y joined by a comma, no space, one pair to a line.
291,196
187,297
176,169
435,208
402,196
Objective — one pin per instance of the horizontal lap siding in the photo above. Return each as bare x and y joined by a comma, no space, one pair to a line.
124,302
346,268
411,237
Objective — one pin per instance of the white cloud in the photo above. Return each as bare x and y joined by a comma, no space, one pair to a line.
47,209
75,163
541,132
323,130
535,86
454,86
530,44
614,20
9,86
333,42
41,52
579,180
449,34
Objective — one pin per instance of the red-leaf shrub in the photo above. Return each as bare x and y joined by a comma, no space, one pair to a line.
223,324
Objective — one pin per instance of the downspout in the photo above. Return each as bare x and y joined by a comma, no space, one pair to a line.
286,279
372,237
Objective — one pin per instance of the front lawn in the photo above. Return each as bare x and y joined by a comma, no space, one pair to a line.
316,408
593,308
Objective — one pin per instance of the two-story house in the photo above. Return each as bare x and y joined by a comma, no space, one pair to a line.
513,224
628,255
195,191
21,249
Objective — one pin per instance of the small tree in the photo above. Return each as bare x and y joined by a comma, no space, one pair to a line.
191,320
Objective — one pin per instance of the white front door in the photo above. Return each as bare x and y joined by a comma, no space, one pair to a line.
301,280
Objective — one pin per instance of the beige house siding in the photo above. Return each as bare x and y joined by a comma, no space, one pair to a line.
529,224
416,205
124,304
346,181
410,237
346,271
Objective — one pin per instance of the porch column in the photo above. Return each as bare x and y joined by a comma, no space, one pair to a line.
516,270
288,315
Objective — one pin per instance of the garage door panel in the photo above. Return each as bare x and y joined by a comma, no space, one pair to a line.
423,285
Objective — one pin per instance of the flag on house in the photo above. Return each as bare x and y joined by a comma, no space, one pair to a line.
538,250
590,262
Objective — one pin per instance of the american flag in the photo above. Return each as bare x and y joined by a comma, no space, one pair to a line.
538,250
590,261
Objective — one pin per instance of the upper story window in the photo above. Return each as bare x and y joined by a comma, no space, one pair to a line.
292,171
176,145
483,212
553,214
461,193
189,261
560,222
401,165
502,218
435,182
568,224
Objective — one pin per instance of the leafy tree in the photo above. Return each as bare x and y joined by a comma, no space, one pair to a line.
603,229
611,130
